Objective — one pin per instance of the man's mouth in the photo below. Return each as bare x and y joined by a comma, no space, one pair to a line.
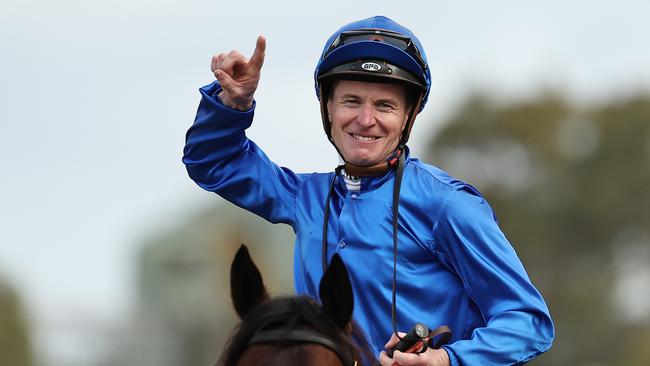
364,138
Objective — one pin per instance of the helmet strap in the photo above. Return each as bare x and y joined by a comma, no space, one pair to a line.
409,123
374,170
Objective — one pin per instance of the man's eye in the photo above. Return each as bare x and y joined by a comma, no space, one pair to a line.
386,106
350,101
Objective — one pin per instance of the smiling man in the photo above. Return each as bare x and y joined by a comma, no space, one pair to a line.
421,247
367,120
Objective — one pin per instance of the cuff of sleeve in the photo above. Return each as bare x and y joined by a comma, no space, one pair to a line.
453,360
211,91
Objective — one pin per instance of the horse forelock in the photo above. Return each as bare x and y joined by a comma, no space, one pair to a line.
307,354
286,313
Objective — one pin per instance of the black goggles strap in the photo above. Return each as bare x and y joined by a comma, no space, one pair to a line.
396,189
326,218
442,334
379,35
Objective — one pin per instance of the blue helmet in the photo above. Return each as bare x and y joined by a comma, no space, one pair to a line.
374,49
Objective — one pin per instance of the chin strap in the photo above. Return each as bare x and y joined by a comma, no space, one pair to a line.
378,169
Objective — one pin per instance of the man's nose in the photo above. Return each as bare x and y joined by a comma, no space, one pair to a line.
366,117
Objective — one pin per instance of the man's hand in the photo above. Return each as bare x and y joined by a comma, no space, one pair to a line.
432,357
239,76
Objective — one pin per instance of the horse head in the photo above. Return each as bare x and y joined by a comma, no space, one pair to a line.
296,329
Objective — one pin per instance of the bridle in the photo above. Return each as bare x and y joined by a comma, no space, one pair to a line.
303,336
287,333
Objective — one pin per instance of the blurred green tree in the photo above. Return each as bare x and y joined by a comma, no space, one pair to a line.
14,340
571,188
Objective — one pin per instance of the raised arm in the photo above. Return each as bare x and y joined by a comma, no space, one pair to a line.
218,155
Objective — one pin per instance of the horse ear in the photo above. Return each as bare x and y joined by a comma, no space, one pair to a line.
336,293
246,286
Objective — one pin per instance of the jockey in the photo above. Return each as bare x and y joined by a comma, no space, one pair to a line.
420,246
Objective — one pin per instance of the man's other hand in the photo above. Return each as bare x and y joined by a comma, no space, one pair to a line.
431,357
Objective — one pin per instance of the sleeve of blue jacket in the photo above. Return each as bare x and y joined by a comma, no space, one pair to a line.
518,324
221,159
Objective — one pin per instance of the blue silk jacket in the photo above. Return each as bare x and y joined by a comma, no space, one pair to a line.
454,266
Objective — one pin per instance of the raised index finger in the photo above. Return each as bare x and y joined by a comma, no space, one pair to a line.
258,55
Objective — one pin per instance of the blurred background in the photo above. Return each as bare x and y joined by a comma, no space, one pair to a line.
110,255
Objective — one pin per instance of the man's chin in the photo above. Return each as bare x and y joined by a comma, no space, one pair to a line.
363,158
363,162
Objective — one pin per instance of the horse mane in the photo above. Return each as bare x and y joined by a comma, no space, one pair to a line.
297,312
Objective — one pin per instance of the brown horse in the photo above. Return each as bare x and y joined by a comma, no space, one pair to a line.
293,330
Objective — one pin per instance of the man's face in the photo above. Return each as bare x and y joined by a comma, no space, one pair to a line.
367,119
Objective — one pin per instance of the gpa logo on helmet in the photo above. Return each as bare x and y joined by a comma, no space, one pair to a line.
371,66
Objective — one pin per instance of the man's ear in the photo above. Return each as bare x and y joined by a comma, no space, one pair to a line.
246,286
328,107
336,293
